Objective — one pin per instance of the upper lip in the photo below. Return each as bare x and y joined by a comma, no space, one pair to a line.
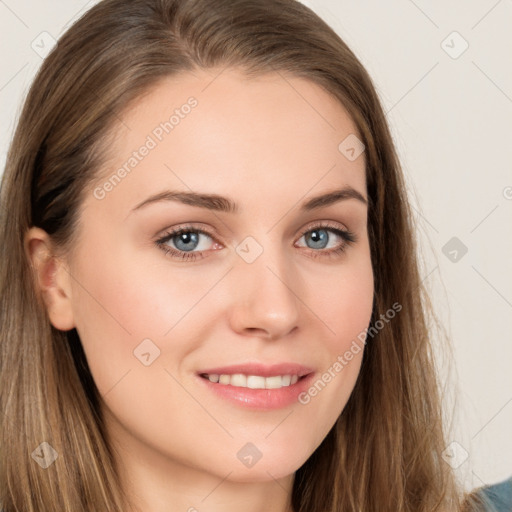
260,369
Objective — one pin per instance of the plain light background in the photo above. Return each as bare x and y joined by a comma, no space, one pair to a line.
443,71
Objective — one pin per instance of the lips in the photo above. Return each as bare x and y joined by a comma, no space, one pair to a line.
258,386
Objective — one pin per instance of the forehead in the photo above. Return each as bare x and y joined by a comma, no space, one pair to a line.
219,131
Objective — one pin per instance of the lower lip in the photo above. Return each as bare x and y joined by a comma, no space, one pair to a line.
263,399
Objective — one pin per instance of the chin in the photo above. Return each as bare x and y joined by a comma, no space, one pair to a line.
266,469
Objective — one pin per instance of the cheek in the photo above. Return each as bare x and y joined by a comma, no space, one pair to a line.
345,303
120,301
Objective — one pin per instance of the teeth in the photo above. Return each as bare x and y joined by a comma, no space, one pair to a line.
277,382
254,381
224,379
238,379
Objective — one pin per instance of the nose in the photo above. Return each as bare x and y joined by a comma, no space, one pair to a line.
264,302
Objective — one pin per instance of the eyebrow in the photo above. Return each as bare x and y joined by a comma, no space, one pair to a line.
219,203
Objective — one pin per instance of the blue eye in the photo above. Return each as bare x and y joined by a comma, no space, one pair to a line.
186,239
186,242
319,237
322,235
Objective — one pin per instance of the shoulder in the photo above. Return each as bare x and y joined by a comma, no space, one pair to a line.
499,495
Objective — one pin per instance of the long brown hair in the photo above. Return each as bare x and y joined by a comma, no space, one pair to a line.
384,452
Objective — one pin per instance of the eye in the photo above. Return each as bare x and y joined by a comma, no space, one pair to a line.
185,242
325,239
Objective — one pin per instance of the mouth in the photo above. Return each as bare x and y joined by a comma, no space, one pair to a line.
258,386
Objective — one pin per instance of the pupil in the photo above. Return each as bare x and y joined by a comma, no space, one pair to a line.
319,238
186,238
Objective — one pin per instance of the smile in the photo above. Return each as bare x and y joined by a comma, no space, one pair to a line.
241,380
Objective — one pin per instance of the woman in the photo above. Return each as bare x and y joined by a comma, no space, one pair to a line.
211,295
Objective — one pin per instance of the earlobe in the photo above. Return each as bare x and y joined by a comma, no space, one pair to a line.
51,278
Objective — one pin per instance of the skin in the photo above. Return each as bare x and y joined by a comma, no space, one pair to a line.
268,143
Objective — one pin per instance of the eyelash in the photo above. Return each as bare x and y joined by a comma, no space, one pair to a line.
348,238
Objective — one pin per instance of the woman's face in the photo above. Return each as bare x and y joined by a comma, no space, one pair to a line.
266,288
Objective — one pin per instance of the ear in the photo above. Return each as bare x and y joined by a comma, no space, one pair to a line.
51,277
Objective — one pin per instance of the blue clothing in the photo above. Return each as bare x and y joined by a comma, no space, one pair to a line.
498,496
